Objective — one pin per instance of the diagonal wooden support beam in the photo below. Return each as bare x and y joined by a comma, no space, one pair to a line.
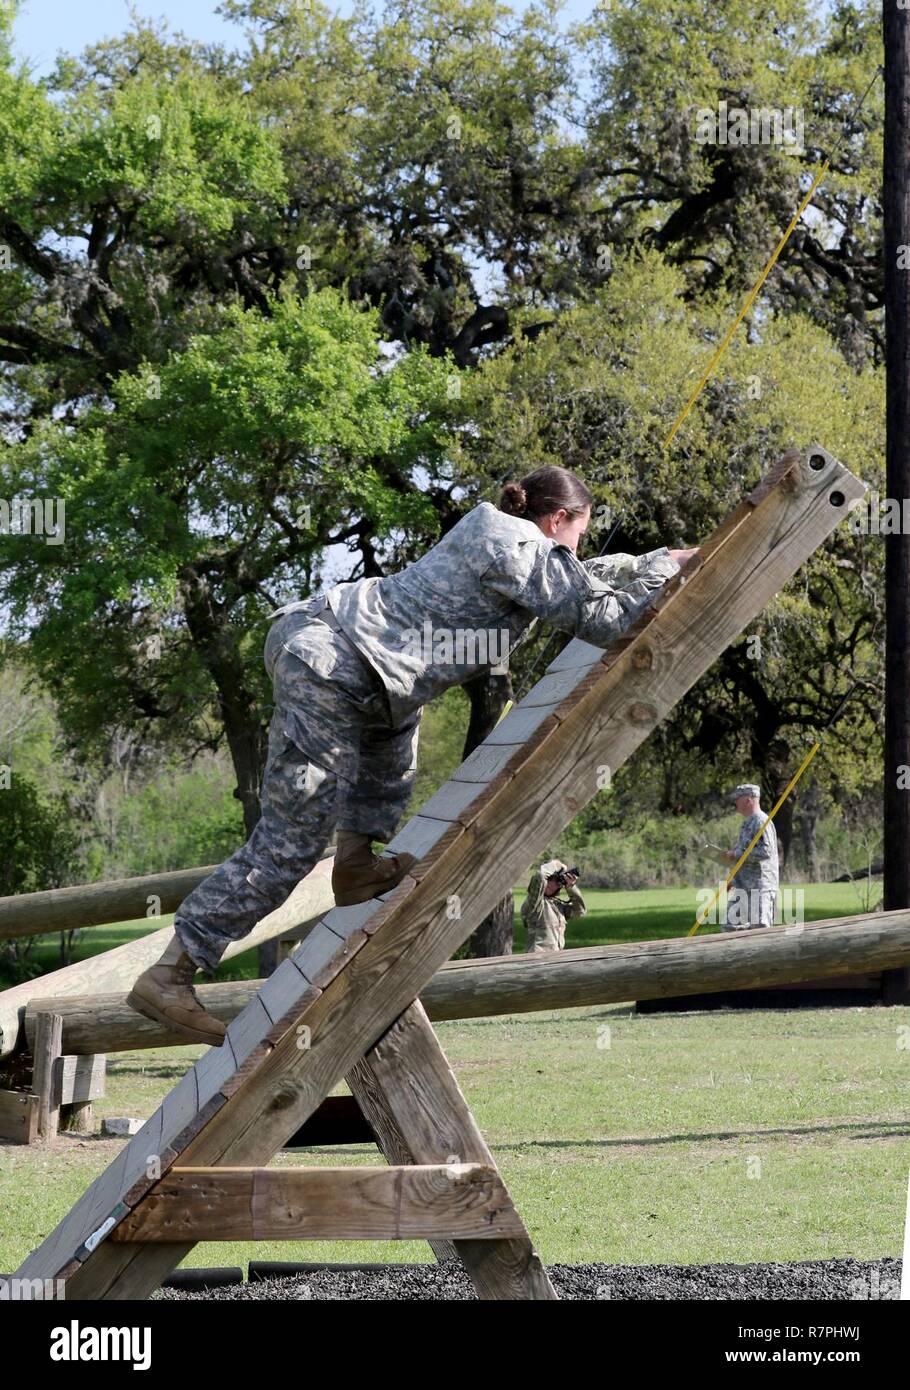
400,1203
410,1095
360,968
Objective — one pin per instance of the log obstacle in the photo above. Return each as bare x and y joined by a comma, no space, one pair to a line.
345,1005
589,975
116,970
97,904
61,1087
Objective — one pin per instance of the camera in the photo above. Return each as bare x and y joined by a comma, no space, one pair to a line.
562,874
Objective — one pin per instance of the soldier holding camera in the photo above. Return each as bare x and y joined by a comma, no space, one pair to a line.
544,912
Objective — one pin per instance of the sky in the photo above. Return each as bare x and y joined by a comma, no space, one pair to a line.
45,28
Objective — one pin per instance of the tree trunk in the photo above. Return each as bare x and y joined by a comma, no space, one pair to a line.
783,822
218,648
809,810
488,695
495,935
216,643
776,767
896,206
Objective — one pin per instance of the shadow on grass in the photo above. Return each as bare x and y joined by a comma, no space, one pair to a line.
858,1131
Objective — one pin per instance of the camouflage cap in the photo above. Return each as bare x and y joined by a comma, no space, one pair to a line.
745,789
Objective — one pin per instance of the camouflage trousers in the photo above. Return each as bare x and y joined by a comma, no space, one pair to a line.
749,907
335,759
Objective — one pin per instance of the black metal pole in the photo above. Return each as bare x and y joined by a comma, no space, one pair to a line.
896,207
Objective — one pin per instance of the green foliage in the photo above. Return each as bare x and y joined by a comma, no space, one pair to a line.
178,819
211,250
185,155
216,481
599,393
37,844
718,208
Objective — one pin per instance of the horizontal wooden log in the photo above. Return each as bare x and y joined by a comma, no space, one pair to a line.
762,957
559,980
96,904
114,971
419,1201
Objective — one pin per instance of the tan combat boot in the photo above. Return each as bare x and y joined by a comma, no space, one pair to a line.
165,994
359,874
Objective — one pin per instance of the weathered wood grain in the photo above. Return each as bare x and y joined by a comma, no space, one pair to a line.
354,1203
410,1095
48,1052
116,970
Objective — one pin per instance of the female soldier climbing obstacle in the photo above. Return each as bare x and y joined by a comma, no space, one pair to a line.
349,686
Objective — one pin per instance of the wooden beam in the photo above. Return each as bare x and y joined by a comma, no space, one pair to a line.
95,904
383,1203
48,1051
80,1079
412,1099
361,968
115,970
766,956
18,1117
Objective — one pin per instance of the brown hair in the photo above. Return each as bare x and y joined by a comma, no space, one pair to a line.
544,491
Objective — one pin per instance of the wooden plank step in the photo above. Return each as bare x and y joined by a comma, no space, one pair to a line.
419,1201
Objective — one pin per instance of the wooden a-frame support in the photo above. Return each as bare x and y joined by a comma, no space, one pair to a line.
344,1004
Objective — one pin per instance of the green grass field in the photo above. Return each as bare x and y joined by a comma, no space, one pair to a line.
654,1139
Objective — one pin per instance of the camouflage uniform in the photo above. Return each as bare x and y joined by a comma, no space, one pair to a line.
351,679
752,896
334,759
545,918
486,580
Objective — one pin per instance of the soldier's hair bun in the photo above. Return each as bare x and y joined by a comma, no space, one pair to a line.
546,490
514,499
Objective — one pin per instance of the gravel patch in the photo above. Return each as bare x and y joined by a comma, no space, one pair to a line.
809,1279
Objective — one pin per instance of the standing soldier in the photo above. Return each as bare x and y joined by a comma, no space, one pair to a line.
544,913
753,899
349,686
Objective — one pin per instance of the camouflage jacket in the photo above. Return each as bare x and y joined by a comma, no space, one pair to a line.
468,600
761,868
545,918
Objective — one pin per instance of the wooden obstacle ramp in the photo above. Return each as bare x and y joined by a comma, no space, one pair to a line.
343,1006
